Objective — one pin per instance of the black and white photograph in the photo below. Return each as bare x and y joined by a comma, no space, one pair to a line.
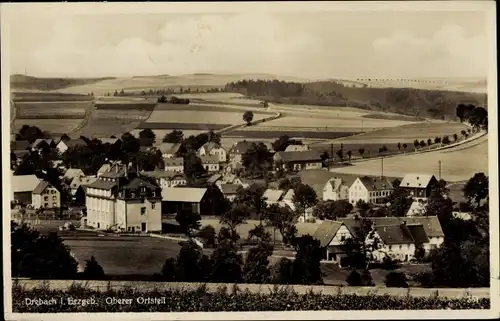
250,160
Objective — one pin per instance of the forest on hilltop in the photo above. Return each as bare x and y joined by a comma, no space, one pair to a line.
439,104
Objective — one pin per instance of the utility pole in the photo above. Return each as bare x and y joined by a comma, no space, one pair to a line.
440,169
331,154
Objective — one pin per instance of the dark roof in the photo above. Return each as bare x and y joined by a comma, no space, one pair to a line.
118,170
41,187
431,224
304,156
20,145
178,161
417,231
75,142
394,234
326,232
376,184
229,188
241,147
211,145
101,184
163,174
169,148
138,182
214,178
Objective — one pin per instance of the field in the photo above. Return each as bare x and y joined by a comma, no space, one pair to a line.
47,96
47,110
409,132
456,164
54,126
370,149
275,133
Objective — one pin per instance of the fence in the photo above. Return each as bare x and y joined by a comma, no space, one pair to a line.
143,286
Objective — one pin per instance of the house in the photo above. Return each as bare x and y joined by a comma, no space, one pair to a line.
398,237
370,190
297,161
77,181
22,187
335,189
169,150
273,196
297,148
331,236
167,179
40,143
46,196
236,152
419,186
229,190
392,234
214,178
211,163
417,208
63,146
103,169
174,164
247,182
175,199
213,149
123,200
287,199
71,173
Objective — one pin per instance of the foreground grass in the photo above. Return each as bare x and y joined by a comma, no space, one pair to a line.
201,300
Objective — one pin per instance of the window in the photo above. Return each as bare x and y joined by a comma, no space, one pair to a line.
46,205
54,204
390,247
143,210
400,247
53,192
46,198
54,198
153,204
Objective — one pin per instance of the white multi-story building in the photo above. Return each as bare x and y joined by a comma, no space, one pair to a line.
211,163
125,201
213,149
174,164
167,179
370,190
335,189
46,196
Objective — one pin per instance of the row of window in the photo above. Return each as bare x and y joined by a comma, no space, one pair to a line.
46,198
46,205
49,192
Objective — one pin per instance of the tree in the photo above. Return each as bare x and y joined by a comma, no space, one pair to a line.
93,271
193,168
455,137
349,154
188,221
147,137
207,234
340,154
460,111
257,160
304,197
214,137
429,142
248,117
65,137
282,271
361,151
289,183
130,144
446,140
437,140
226,263
360,247
416,143
169,269
252,198
422,143
331,210
463,132
405,146
396,280
40,256
283,219
283,142
399,146
354,278
30,133
237,215
306,267
256,267
400,202
187,267
478,117
476,189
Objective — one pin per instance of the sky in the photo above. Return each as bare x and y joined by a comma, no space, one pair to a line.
312,45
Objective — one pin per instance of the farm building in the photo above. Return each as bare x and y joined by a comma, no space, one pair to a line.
46,196
273,196
336,189
174,164
213,149
229,190
167,178
80,180
123,200
71,173
236,152
419,186
211,163
175,199
43,143
169,150
370,190
214,178
297,148
297,161
417,208
22,188
63,146
104,168
398,237
247,182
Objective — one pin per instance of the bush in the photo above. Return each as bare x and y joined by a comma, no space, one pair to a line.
366,278
93,271
199,299
425,279
354,278
396,280
208,235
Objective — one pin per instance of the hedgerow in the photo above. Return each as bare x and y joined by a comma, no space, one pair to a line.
200,300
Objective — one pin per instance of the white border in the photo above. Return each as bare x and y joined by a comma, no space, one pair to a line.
8,9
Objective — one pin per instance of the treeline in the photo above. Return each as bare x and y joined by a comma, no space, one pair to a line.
27,82
408,101
173,100
477,117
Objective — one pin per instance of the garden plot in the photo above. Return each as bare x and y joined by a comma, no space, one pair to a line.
52,109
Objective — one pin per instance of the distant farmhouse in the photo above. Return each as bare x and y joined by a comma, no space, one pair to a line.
299,160
370,190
